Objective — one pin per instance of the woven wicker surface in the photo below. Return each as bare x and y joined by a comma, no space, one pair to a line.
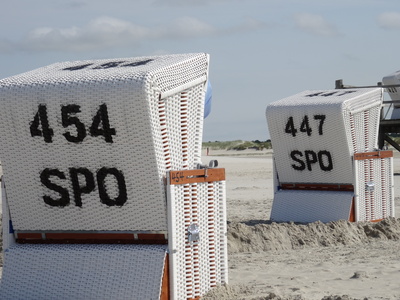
311,206
315,133
377,202
200,265
82,272
7,232
104,132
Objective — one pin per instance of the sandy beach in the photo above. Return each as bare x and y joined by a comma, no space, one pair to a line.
337,260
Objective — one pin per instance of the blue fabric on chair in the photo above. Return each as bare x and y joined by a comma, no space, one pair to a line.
208,100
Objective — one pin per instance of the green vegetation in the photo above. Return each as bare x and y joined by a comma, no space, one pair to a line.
217,145
238,145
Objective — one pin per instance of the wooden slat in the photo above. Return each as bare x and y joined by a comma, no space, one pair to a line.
373,155
352,214
165,291
197,175
85,238
317,187
89,236
29,236
151,236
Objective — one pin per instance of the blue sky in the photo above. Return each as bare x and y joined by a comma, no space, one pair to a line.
261,50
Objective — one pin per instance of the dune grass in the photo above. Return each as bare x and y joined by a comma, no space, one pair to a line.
237,145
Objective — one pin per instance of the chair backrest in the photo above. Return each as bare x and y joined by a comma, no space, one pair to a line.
86,145
315,133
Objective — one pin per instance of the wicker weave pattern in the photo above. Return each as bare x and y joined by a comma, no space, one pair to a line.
200,265
345,129
82,272
155,105
362,129
184,131
376,203
8,235
311,206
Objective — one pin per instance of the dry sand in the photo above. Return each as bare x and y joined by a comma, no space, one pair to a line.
338,260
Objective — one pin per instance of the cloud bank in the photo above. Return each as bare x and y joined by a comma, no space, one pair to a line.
315,25
389,20
106,32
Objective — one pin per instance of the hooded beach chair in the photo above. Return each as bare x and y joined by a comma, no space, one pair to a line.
327,163
104,192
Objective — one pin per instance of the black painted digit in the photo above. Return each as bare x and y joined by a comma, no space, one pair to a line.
77,187
176,177
68,120
289,128
346,92
321,119
45,179
314,94
305,126
104,197
41,120
111,64
329,94
74,68
101,118
137,63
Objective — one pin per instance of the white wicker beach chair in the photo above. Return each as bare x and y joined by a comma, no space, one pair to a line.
326,159
102,195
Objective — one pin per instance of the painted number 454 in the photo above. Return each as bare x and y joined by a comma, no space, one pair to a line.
76,130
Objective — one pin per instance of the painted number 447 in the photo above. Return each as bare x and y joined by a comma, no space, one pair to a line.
306,125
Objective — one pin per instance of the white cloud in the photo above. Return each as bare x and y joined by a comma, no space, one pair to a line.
106,32
315,24
185,27
186,3
101,32
389,20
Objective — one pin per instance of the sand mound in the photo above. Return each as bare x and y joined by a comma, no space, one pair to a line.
307,240
259,236
226,292
240,292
